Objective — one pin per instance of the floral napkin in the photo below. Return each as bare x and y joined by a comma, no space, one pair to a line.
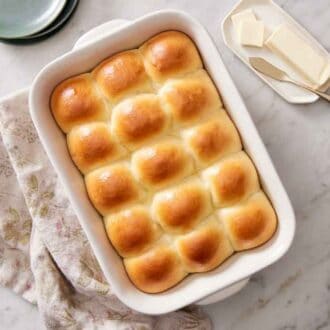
44,253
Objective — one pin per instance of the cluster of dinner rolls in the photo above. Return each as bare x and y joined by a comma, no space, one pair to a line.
163,162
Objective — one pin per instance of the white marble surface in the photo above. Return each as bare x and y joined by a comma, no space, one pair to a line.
294,293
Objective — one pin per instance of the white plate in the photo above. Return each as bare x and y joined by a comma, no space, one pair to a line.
272,15
194,287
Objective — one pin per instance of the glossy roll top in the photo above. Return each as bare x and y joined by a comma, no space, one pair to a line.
213,139
180,209
170,54
191,98
250,223
121,75
204,248
163,162
156,270
112,187
232,179
77,101
93,145
131,231
139,120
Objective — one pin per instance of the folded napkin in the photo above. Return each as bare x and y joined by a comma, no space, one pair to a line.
44,253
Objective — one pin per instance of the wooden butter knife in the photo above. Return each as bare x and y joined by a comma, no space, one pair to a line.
272,71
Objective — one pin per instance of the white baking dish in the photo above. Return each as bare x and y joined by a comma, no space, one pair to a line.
197,286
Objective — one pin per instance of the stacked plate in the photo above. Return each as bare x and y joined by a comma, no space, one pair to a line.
31,20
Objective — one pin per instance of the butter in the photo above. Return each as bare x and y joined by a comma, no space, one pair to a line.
244,15
251,33
287,44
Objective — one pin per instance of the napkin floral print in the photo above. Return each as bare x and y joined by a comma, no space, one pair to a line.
44,254
15,229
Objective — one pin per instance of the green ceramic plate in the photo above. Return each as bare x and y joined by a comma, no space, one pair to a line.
19,18
52,28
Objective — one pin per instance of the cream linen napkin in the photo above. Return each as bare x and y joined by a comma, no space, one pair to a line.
44,253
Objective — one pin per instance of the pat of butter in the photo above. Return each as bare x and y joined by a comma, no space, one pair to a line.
251,33
244,15
286,43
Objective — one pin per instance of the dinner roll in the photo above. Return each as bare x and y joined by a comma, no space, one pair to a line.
92,146
249,224
76,101
138,119
179,209
112,187
213,139
204,248
157,270
121,75
161,164
232,179
131,231
191,98
169,54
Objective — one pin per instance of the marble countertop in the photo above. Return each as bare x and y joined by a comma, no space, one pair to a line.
294,293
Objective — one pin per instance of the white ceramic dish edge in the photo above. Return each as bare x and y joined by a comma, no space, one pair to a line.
194,287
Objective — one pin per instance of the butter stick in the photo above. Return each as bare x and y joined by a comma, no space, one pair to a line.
288,45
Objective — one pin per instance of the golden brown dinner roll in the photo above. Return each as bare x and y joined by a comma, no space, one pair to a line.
121,75
213,139
131,231
138,119
204,248
232,179
249,224
170,54
157,270
179,209
161,164
112,187
76,101
191,98
92,146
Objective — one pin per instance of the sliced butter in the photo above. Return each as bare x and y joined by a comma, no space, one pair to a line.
244,15
287,44
251,33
